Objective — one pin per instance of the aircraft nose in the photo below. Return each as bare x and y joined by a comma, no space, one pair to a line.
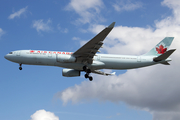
5,56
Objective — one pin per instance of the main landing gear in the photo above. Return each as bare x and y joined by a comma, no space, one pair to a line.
88,71
20,68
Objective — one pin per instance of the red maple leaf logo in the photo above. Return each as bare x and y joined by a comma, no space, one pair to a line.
31,51
161,49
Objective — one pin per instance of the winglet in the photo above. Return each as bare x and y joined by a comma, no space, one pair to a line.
111,25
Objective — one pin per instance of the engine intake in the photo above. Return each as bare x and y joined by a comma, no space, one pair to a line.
70,73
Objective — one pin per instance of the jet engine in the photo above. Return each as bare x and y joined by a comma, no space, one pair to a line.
65,58
70,73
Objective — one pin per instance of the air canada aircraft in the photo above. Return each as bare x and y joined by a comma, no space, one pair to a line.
86,58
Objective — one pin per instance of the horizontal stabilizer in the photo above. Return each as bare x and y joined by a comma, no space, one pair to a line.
164,56
165,63
103,73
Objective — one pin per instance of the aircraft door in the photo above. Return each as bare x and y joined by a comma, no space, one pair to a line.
139,59
49,54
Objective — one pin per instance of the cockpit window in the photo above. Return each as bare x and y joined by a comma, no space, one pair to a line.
11,53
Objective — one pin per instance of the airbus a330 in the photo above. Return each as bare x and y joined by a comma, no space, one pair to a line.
86,58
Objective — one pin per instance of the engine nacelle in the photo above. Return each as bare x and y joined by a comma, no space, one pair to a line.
66,58
70,73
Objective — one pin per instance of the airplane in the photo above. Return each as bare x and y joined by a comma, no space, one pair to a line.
86,58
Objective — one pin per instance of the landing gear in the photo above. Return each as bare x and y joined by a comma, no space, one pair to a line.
84,68
88,71
87,76
90,78
20,68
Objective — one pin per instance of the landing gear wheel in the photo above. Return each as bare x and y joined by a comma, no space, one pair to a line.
90,78
86,76
84,68
20,68
88,71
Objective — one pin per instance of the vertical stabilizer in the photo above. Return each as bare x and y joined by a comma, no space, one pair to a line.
161,47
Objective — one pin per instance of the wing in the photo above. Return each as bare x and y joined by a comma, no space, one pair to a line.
86,53
103,73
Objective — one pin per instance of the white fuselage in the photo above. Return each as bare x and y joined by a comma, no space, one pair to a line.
66,60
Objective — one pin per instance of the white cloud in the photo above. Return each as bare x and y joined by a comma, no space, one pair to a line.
1,32
75,38
43,115
123,5
63,30
154,89
18,13
40,25
88,10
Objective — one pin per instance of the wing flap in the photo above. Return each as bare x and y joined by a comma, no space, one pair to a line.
103,73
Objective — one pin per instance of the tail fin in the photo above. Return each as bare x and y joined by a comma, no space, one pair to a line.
161,47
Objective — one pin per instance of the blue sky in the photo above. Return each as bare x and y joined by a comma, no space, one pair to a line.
39,92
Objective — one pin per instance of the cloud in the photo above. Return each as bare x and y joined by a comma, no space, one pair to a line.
40,25
65,30
18,13
128,39
166,116
123,5
75,38
43,115
154,89
1,32
88,10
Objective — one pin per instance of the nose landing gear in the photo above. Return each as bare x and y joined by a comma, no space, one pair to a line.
20,68
88,71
